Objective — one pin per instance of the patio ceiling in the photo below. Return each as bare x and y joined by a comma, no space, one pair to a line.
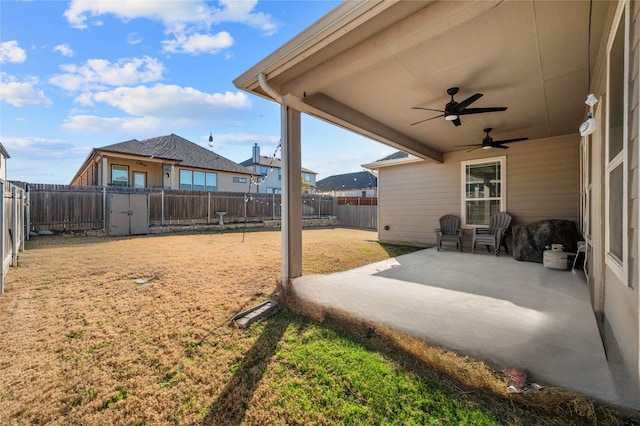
366,64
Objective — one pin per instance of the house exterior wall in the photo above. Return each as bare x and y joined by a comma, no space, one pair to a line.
364,192
156,174
3,167
541,179
621,297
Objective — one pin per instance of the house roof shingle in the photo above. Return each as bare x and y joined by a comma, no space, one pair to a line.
176,148
395,156
348,181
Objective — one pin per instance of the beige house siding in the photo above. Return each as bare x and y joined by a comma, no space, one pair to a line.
621,301
542,183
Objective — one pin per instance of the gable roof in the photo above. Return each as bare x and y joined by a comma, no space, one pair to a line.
272,162
348,181
175,148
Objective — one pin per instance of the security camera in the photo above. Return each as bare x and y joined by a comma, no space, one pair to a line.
588,127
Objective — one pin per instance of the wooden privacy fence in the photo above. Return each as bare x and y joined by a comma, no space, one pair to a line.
74,208
12,218
356,215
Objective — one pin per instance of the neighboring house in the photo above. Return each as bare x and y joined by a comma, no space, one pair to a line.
3,162
270,171
358,184
377,68
162,162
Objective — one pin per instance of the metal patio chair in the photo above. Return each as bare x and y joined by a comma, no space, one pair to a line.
449,231
494,235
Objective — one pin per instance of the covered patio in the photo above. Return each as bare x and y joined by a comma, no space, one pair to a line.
505,312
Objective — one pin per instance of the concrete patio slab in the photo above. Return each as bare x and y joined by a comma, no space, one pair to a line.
508,313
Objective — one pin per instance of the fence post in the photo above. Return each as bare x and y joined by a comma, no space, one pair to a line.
3,234
162,208
14,206
22,204
28,212
208,207
104,208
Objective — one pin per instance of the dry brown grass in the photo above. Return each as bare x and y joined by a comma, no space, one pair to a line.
83,343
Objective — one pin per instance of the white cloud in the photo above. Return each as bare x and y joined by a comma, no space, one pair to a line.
198,43
11,52
21,93
175,15
150,109
36,145
134,38
64,50
246,138
99,73
168,101
242,12
128,125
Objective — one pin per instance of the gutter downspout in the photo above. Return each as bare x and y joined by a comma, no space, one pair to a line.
291,224
262,80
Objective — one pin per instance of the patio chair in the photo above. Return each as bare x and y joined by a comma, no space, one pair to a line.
449,231
494,235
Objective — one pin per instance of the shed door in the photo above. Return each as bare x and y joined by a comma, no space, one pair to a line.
139,218
128,214
119,214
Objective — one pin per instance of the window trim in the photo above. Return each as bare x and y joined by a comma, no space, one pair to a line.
133,178
618,266
192,173
122,167
463,187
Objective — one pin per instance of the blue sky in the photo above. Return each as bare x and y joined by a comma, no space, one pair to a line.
80,74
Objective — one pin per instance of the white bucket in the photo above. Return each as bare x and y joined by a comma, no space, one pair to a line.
554,259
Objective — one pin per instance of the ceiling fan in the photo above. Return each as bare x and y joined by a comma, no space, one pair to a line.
488,142
453,110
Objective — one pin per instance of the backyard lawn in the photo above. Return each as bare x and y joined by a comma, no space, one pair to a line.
135,331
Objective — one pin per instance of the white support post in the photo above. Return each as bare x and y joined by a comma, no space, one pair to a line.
291,195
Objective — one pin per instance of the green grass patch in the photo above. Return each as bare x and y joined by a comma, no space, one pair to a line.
324,377
398,250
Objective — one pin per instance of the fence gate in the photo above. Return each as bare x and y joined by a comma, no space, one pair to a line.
128,214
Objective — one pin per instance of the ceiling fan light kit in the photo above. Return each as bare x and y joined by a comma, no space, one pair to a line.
489,143
453,109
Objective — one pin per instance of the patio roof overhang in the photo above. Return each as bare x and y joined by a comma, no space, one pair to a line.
367,63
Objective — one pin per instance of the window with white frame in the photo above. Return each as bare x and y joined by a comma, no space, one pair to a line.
483,190
616,148
119,175
198,181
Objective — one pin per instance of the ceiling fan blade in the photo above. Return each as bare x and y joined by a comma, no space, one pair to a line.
428,109
511,140
456,122
499,146
473,149
481,110
427,119
471,99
